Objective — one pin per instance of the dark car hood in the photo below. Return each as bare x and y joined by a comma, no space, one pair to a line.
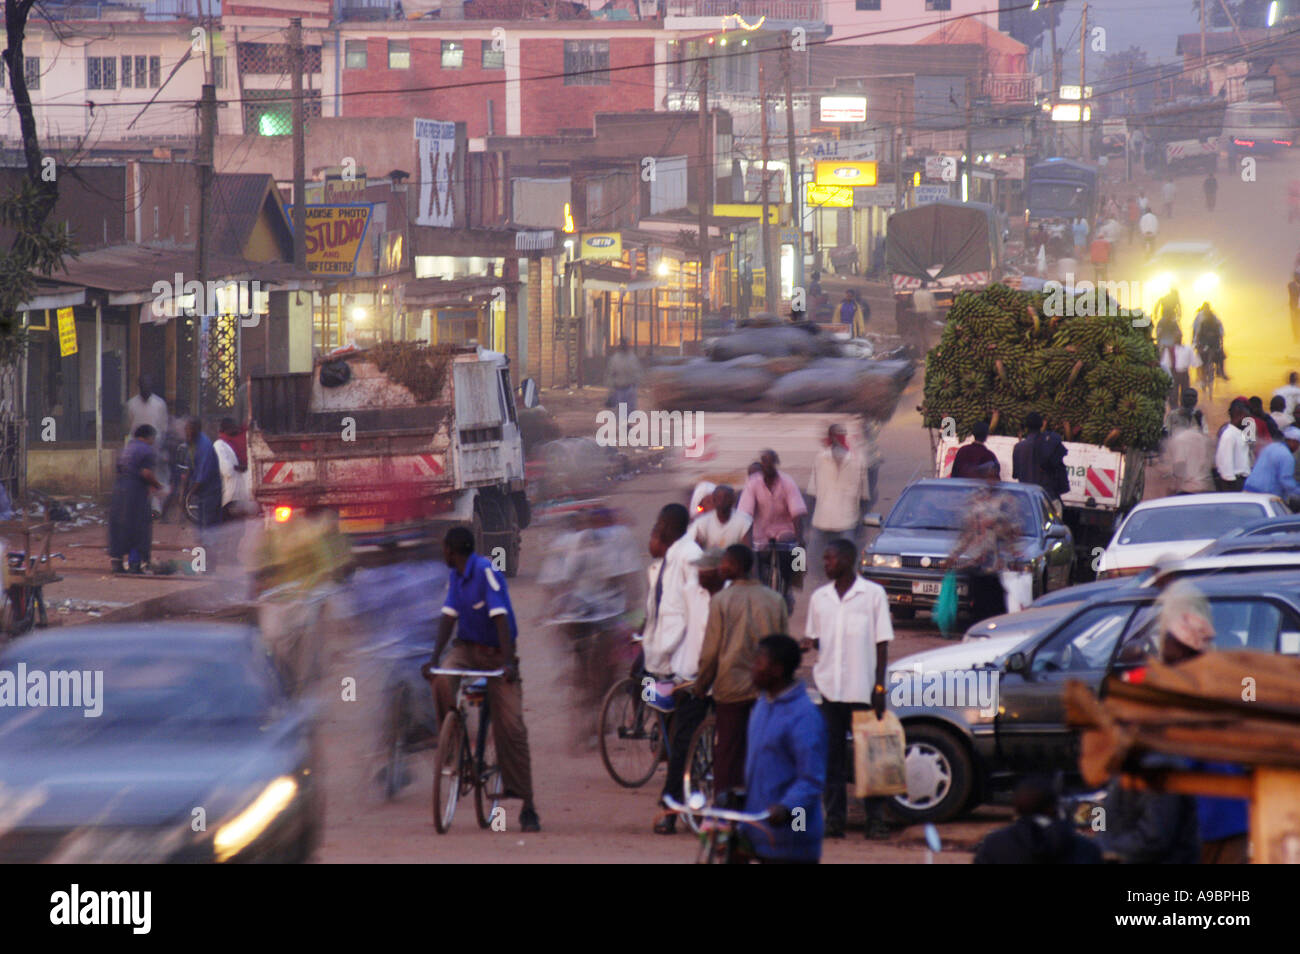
110,782
933,543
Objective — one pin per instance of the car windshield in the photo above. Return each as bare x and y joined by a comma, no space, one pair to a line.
1181,261
944,508
1195,522
144,689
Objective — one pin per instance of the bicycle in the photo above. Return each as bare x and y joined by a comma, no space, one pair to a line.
25,576
720,838
457,769
772,560
1211,367
635,738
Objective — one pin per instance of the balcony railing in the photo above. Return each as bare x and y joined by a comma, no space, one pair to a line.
1009,87
806,11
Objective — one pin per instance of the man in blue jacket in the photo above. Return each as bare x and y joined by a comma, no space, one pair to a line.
785,765
205,478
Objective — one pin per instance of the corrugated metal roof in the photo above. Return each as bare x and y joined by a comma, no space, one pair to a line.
238,199
125,269
1189,44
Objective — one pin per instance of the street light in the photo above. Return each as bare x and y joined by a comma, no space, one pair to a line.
1272,13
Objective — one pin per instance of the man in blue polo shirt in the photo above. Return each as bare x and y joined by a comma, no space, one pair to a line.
478,608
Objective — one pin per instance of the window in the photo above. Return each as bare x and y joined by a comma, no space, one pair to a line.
586,62
1177,524
155,71
141,72
1085,643
399,55
938,4
453,54
354,55
219,72
493,59
101,72
32,72
867,4
126,72
1238,624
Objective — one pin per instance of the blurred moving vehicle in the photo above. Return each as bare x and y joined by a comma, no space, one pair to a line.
1058,191
918,535
964,747
1171,528
161,725
1257,128
1190,268
402,442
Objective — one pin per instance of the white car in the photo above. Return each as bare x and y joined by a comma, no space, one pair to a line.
1174,528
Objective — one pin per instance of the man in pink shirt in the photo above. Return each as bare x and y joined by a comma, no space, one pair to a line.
772,498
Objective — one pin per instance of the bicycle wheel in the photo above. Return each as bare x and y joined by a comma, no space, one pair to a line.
630,737
447,772
698,776
489,785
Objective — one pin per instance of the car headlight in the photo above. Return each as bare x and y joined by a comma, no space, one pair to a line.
1161,284
1206,283
238,833
889,560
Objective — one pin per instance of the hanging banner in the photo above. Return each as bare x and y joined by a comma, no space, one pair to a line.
435,144
829,197
334,236
67,332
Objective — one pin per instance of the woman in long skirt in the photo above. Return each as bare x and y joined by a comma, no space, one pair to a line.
130,519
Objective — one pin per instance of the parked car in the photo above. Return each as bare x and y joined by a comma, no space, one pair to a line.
193,724
1280,530
958,755
918,535
1170,528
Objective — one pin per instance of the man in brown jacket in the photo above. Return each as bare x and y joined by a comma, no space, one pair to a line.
739,617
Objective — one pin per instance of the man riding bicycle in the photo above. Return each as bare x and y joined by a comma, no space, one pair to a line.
478,608
1207,338
772,498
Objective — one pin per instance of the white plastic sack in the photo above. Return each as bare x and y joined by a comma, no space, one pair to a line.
1019,588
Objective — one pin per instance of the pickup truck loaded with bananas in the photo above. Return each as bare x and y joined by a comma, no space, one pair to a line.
1095,379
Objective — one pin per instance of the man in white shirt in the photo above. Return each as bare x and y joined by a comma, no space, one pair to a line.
839,484
1169,190
724,525
1231,458
677,610
848,623
1290,392
1149,226
236,495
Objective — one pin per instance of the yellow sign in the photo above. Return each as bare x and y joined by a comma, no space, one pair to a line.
334,234
844,172
67,332
829,197
1069,113
747,210
604,246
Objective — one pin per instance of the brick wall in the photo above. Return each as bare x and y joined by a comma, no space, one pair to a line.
549,106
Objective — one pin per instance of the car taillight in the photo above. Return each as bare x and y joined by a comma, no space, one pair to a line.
1136,676
282,514
1244,142
1281,142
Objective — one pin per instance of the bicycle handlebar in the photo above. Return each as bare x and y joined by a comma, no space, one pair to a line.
472,673
722,814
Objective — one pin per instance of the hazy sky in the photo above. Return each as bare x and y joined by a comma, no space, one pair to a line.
1152,25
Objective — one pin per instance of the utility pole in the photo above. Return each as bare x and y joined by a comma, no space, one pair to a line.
1083,82
769,300
796,204
1202,34
299,149
898,151
704,189
207,144
1056,58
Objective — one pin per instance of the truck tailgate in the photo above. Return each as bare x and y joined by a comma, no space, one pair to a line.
1096,473
329,471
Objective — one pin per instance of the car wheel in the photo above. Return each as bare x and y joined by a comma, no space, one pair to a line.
939,776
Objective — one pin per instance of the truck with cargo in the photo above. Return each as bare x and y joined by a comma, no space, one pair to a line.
943,247
402,441
1058,191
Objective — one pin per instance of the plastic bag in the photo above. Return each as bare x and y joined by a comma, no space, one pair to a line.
878,755
945,607
1019,589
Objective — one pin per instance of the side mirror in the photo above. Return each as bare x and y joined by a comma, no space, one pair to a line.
528,388
1058,531
1016,663
871,520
